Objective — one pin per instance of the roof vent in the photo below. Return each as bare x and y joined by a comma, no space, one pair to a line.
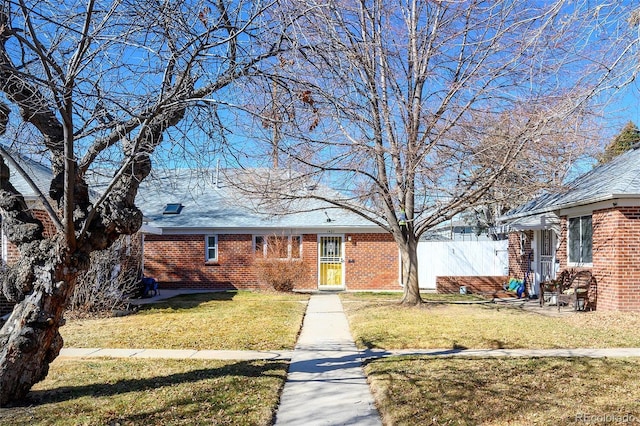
173,208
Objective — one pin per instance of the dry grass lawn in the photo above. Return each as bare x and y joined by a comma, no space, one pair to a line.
501,392
377,321
152,392
230,320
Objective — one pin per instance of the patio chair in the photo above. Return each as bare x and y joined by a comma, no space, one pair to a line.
579,292
550,289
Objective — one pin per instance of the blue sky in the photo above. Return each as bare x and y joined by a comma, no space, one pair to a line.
629,104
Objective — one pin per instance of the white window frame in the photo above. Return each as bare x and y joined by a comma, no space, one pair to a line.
207,248
571,237
265,239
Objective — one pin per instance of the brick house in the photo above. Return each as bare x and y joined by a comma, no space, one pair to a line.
593,224
203,232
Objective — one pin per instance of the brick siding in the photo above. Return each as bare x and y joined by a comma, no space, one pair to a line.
616,244
177,261
474,285
371,262
519,256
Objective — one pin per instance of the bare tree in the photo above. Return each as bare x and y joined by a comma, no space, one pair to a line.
546,165
102,84
402,98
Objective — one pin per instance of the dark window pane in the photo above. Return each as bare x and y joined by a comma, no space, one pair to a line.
212,248
258,242
574,240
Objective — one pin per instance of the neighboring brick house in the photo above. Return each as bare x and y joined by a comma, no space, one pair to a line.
202,232
594,224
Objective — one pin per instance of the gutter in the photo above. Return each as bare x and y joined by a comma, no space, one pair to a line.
148,229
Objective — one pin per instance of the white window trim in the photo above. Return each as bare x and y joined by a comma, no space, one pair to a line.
207,247
579,264
265,238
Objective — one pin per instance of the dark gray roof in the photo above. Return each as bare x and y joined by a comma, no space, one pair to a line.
210,201
619,178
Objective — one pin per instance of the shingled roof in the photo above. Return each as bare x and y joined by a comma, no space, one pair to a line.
619,178
40,175
208,199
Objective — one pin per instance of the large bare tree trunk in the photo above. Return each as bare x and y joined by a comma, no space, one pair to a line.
30,339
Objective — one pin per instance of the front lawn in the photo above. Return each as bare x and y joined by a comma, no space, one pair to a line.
378,321
506,391
230,320
152,392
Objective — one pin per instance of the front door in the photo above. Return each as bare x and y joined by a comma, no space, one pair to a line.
331,262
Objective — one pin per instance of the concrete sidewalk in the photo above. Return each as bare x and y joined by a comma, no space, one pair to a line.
175,354
506,353
364,355
326,384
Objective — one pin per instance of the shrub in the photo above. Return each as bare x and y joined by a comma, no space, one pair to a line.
113,277
280,274
278,264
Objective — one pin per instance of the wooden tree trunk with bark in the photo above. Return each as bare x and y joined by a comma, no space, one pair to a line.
409,258
30,339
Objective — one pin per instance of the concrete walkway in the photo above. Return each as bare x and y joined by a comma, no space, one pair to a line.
326,384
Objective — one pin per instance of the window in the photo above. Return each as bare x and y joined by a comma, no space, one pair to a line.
211,249
259,246
580,240
278,246
296,246
173,208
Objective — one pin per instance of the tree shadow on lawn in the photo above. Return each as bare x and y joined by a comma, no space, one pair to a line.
239,369
189,301
470,391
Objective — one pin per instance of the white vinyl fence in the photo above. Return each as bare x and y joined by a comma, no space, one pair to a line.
460,258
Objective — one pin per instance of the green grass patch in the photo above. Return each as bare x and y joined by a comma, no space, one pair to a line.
377,322
534,391
152,392
229,320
